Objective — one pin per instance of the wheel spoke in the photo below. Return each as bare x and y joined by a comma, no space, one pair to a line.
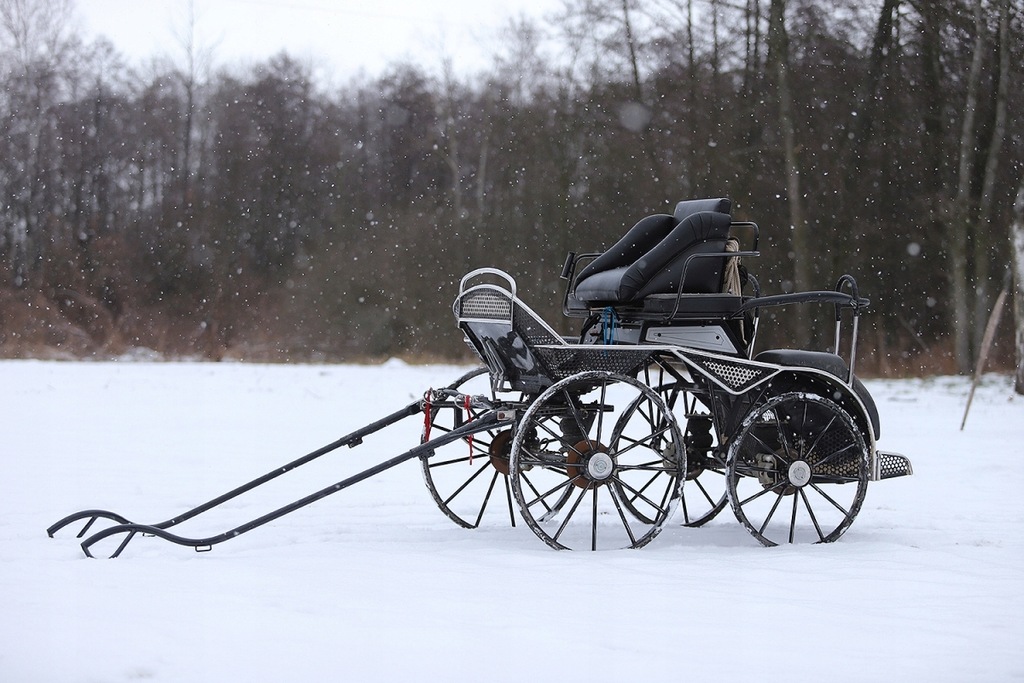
508,496
542,498
810,513
639,496
792,521
487,497
833,455
767,448
700,487
569,514
571,404
622,517
558,438
644,487
775,505
640,442
454,461
533,489
783,441
817,440
829,499
600,413
469,481
761,493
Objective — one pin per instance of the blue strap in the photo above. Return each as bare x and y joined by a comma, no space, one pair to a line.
608,322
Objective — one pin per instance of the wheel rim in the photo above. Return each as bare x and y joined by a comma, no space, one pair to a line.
595,463
704,493
468,478
797,470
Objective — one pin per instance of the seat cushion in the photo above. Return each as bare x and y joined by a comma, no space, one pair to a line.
606,286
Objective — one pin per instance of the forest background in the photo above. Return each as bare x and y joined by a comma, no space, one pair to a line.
255,212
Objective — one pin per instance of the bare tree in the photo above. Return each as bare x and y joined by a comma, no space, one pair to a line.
959,221
983,240
198,59
1017,256
34,44
778,64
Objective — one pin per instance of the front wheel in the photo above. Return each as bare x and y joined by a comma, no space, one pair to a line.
597,463
797,470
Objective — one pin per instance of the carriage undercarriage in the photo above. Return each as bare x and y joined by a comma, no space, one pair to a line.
658,412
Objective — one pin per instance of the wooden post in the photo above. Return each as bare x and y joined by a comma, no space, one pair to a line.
986,344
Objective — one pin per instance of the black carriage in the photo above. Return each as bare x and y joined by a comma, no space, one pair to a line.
659,409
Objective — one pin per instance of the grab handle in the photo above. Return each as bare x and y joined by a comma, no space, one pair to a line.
488,271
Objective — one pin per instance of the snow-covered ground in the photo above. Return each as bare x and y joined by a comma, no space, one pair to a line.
376,584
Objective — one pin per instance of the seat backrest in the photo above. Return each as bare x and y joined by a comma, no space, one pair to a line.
661,270
652,256
688,207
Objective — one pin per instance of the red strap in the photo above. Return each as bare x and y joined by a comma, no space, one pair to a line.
427,418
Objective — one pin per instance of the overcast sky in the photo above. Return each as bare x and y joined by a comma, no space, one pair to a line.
341,36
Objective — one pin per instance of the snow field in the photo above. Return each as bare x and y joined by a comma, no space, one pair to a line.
375,583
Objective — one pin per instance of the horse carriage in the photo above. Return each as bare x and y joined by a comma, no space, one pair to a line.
660,409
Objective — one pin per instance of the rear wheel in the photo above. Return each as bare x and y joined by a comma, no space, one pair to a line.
468,478
797,470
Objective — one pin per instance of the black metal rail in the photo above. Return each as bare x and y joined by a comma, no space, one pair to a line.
129,529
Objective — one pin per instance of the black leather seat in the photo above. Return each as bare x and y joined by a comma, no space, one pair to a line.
652,256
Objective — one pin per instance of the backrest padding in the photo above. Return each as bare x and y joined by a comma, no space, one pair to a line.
662,267
688,207
640,239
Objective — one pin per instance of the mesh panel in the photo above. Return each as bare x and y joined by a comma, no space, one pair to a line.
893,465
533,331
566,362
836,454
735,376
486,305
555,361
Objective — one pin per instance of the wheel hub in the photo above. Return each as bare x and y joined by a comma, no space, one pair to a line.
599,466
799,473
588,464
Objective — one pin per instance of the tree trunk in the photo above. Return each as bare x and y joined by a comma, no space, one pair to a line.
864,125
778,58
983,240
1017,256
638,92
958,220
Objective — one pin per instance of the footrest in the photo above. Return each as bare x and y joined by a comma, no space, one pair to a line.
892,465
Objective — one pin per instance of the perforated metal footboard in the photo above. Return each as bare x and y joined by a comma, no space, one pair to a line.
892,465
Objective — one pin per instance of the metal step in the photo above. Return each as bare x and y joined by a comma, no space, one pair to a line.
892,465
